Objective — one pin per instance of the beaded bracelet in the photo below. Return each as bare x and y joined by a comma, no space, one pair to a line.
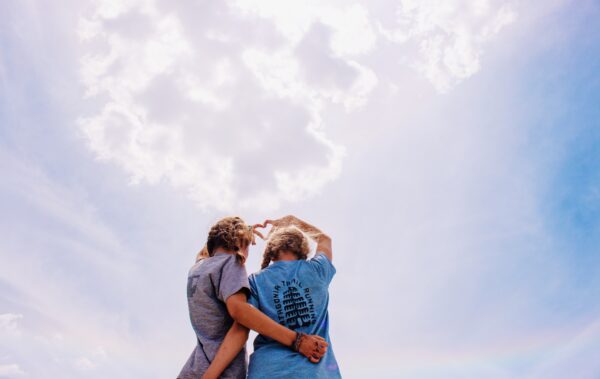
298,341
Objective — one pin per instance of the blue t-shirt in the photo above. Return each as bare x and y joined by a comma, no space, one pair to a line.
295,294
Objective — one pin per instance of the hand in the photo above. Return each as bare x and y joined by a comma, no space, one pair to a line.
280,222
256,232
313,347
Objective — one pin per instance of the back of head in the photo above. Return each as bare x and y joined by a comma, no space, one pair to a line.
290,239
229,233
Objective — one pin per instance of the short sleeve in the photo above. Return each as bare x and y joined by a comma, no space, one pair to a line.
253,299
323,266
233,278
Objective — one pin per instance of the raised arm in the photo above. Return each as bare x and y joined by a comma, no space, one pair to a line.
311,346
324,244
232,345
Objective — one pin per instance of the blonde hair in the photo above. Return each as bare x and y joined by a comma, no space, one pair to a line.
288,238
202,254
229,233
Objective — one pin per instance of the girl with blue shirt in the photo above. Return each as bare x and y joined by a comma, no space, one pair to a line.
293,291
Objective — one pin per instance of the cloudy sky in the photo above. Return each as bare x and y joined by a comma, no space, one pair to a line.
451,149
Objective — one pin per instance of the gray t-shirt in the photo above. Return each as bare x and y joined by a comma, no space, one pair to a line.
210,282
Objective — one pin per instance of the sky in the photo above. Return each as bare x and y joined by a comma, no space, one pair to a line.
451,148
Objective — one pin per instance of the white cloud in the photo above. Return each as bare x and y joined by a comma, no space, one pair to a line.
231,111
443,40
88,363
196,104
352,29
11,370
85,364
9,322
447,37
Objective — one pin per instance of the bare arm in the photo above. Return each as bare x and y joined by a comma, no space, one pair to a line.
324,243
232,344
312,347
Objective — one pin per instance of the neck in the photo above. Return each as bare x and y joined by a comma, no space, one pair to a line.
286,256
221,250
243,251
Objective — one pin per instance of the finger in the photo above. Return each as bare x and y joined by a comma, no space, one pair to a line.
313,359
259,234
320,340
322,350
318,354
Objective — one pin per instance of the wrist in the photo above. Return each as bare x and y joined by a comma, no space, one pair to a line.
298,341
290,338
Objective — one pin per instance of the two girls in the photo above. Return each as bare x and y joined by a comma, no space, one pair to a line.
217,293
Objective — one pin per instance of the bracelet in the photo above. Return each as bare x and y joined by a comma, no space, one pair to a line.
299,337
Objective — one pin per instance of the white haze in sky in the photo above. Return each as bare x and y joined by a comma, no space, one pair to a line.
193,93
434,140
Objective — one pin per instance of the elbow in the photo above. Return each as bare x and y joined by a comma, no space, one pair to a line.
321,237
234,308
235,312
239,311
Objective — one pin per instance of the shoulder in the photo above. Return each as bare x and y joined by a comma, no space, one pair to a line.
225,260
218,265
322,266
265,275
197,267
230,263
252,279
258,275
321,258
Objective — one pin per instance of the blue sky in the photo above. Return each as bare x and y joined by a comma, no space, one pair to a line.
451,148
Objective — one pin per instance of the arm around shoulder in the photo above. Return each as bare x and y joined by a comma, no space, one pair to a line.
250,317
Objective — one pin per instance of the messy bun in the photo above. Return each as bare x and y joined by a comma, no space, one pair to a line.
229,233
288,238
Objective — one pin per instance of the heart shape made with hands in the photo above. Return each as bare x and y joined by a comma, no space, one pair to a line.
281,222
